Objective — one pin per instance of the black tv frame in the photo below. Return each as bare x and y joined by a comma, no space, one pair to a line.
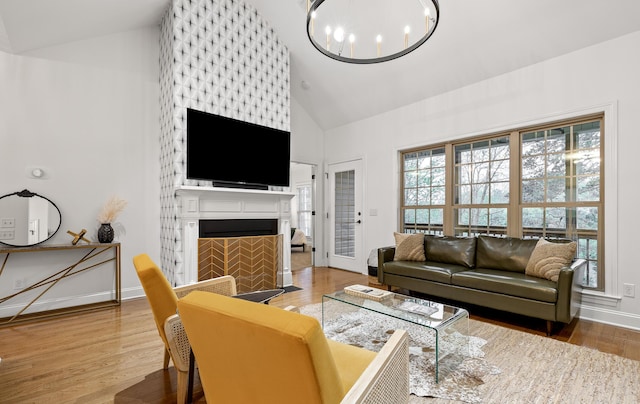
209,139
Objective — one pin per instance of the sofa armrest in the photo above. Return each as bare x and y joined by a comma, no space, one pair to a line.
223,285
385,254
386,379
570,290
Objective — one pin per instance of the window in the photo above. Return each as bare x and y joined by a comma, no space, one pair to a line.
536,182
344,203
561,188
305,209
424,191
481,188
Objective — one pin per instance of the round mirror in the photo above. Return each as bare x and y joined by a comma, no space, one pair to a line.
27,219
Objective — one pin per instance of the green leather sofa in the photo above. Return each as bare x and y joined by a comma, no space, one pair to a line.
486,271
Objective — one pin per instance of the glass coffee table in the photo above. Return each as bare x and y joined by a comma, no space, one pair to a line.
437,330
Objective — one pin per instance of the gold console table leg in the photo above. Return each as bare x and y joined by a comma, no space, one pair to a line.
85,263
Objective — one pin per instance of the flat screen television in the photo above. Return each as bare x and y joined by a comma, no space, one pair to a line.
233,153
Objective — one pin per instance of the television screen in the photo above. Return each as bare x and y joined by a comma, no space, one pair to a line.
230,152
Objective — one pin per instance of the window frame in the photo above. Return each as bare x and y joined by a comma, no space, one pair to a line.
515,204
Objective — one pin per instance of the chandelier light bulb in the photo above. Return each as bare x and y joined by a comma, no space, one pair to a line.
352,39
327,31
338,35
427,17
379,41
313,21
407,29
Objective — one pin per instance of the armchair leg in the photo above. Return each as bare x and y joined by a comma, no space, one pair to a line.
165,361
183,382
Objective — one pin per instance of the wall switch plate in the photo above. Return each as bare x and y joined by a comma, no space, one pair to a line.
7,234
7,222
629,290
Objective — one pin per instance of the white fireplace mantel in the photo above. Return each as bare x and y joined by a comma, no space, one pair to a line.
195,203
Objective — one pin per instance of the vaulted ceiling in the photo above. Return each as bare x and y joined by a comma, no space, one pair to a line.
475,40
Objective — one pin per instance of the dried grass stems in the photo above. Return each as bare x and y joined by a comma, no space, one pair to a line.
111,210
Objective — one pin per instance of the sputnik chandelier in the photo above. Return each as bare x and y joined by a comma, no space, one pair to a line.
370,31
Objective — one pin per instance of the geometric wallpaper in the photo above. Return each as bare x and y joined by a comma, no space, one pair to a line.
217,56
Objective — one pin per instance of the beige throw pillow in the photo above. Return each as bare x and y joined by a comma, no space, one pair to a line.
548,258
409,247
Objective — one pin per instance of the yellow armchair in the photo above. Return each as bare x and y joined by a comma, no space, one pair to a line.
163,301
255,353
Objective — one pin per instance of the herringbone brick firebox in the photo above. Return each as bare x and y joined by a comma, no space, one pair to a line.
254,261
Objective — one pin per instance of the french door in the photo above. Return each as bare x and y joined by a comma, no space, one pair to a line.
345,216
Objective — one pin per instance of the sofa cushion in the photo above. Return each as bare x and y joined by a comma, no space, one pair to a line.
549,258
506,253
511,283
429,271
409,247
451,250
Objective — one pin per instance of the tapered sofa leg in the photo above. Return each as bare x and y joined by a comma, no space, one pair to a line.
550,325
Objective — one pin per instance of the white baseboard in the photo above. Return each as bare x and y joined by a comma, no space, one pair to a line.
611,317
43,304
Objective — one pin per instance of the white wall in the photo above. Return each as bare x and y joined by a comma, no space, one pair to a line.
88,113
307,146
602,77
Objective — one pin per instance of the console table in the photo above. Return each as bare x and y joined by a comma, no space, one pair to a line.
92,257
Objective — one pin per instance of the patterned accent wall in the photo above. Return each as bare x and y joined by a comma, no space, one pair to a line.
217,56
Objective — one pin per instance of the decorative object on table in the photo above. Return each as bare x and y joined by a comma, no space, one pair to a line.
105,233
79,236
108,215
367,292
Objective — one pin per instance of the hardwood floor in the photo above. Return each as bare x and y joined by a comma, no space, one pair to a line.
115,355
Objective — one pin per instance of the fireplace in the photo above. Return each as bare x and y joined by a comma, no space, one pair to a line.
212,228
210,212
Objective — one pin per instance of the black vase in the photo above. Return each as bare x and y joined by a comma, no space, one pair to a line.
105,233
